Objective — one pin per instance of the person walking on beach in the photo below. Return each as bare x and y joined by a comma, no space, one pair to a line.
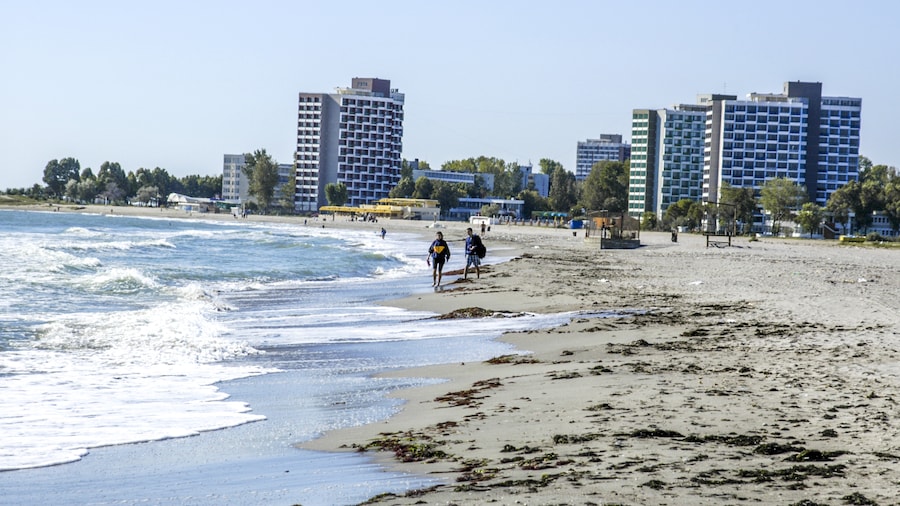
438,253
473,252
383,231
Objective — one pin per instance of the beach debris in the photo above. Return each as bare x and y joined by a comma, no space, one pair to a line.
469,397
512,359
857,499
654,484
406,447
476,312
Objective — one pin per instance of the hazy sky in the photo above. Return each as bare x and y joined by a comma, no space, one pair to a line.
178,84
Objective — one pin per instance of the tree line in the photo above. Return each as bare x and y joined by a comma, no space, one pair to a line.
64,178
876,191
605,188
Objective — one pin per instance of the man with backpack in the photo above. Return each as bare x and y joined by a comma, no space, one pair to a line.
438,253
475,251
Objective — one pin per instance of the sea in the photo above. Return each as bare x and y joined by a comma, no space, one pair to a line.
180,361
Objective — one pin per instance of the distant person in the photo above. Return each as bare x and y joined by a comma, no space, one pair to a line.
482,227
473,253
438,253
383,232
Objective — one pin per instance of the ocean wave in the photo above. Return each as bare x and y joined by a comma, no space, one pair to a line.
121,280
167,334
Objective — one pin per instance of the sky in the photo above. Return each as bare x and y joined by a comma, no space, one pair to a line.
178,84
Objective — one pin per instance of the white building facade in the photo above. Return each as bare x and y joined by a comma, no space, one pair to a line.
236,187
354,137
607,147
666,158
797,134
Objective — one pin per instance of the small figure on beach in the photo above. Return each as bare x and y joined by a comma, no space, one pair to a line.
383,232
482,227
473,253
674,235
438,253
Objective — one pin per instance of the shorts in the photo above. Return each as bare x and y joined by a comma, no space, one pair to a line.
473,260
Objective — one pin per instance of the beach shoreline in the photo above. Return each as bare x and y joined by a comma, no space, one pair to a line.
764,372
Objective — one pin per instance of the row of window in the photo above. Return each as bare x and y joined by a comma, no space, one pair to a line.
839,113
792,109
756,165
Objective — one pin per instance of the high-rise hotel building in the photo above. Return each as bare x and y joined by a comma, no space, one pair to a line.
353,136
591,151
666,157
798,134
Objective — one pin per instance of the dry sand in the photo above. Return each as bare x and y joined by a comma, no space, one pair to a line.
763,373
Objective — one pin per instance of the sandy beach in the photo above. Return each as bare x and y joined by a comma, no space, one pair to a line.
766,373
762,373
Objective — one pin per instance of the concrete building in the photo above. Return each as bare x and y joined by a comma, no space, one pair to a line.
236,187
591,151
468,207
353,136
797,134
539,182
666,157
454,177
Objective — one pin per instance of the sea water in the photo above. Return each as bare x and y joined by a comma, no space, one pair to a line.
126,342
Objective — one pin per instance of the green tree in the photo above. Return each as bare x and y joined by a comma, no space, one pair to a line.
873,179
508,181
336,194
166,183
82,191
404,189
606,187
262,174
111,172
562,190
58,172
446,194
468,165
739,203
684,213
648,220
892,201
287,191
489,210
532,201
549,166
424,188
842,201
864,164
780,197
810,217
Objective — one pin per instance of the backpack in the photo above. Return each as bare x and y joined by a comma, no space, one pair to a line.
480,250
